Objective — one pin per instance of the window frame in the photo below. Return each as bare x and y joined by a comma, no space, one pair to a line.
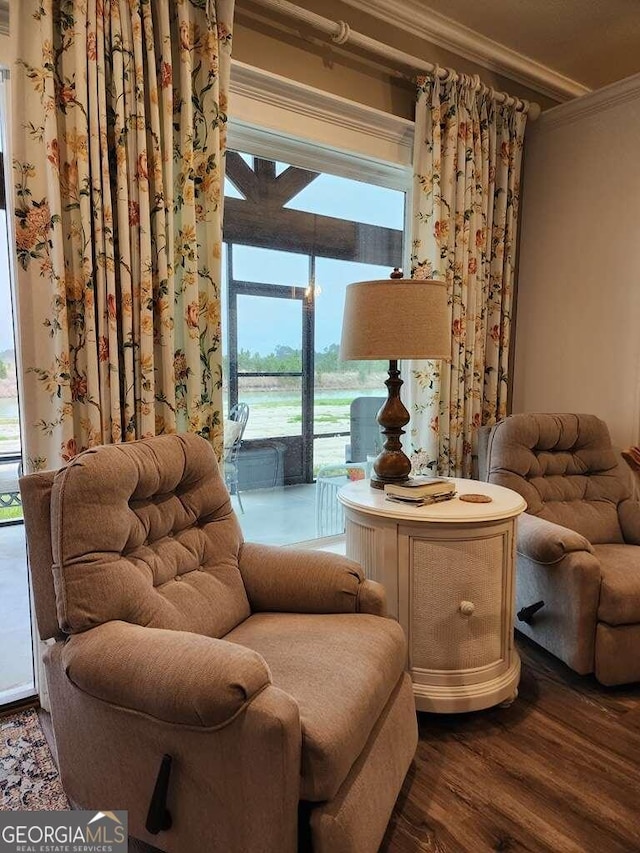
278,119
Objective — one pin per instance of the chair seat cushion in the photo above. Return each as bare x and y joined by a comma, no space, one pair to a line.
341,669
620,587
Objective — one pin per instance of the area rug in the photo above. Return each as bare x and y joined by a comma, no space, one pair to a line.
28,776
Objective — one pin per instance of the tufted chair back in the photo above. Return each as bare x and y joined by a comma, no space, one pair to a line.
565,469
157,545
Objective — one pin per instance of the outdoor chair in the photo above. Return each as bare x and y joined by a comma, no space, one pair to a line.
234,428
214,688
10,472
365,438
578,544
330,519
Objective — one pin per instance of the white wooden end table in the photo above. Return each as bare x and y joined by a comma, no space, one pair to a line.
448,571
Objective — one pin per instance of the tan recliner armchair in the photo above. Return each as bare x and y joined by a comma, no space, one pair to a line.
264,676
578,543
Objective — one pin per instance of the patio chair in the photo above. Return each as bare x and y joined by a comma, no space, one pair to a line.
232,697
365,438
234,430
329,511
10,472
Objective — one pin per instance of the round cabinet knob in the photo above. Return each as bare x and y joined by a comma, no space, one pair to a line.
467,608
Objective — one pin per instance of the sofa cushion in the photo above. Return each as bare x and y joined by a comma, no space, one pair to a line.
341,670
620,585
144,532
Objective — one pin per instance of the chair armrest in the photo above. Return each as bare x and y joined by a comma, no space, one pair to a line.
629,515
372,598
546,542
298,580
174,676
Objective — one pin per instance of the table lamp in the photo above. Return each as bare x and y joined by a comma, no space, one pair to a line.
395,319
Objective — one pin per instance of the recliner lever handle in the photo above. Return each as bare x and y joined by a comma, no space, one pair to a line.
527,613
159,816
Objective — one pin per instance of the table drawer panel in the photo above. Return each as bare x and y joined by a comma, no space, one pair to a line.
456,612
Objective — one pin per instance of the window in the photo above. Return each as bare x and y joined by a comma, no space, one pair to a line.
294,239
9,422
16,655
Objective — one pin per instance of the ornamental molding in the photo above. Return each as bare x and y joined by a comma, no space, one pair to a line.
283,93
412,16
595,102
274,103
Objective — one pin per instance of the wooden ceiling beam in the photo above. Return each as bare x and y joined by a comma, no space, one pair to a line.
311,234
242,176
265,171
291,182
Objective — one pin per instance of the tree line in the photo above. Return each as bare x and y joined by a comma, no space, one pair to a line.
289,360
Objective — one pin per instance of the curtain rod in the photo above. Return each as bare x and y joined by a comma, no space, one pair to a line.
340,33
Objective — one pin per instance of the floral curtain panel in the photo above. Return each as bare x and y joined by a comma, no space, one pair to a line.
119,126
467,164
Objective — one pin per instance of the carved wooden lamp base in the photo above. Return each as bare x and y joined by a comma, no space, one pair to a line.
392,465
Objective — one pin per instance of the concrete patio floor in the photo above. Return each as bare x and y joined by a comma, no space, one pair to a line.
279,516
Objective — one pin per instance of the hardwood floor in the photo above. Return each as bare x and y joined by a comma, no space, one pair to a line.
557,772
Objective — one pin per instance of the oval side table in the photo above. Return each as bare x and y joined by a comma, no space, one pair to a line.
448,572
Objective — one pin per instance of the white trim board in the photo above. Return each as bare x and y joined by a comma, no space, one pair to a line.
368,144
595,102
414,17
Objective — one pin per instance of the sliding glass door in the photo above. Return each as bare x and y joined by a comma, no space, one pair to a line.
294,240
16,655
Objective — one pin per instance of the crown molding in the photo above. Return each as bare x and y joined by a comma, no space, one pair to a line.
595,102
412,16
265,100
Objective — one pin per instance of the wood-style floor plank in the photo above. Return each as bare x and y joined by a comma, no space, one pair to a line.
557,772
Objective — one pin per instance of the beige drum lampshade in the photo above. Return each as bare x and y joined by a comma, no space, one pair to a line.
396,319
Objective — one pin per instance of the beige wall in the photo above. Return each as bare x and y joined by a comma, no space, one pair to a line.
578,310
262,40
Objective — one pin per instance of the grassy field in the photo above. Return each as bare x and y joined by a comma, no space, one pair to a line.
10,512
275,413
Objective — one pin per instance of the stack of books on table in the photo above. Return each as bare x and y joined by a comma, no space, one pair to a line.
418,491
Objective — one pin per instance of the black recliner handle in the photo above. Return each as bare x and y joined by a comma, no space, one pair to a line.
527,613
159,816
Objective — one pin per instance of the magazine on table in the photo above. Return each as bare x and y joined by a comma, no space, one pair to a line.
420,501
420,487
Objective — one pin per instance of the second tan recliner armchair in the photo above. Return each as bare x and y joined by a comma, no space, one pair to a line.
578,543
242,682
